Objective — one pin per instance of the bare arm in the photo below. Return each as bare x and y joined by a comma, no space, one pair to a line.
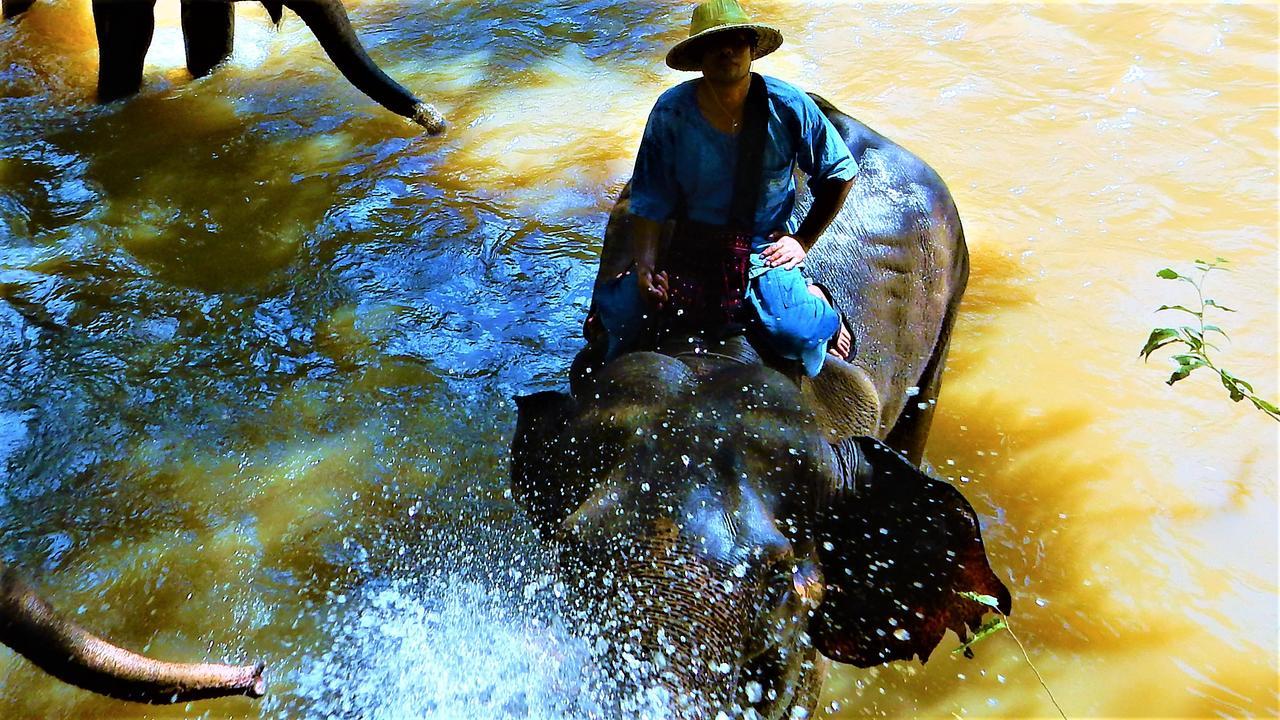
790,250
644,248
828,198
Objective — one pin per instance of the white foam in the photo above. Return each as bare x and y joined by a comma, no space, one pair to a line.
460,648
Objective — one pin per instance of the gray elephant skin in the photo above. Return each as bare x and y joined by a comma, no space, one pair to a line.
125,27
727,536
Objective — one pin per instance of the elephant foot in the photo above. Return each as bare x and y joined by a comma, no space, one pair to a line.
844,399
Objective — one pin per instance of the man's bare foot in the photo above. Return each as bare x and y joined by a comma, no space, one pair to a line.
844,339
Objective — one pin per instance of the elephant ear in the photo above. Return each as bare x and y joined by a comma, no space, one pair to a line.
539,464
897,549
556,458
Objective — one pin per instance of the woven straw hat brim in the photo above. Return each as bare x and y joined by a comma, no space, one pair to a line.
685,54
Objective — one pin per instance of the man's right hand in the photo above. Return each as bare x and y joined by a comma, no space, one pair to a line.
653,286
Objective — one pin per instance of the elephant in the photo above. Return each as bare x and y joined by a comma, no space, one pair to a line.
72,654
124,29
733,527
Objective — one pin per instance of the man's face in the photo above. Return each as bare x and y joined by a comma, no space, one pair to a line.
726,56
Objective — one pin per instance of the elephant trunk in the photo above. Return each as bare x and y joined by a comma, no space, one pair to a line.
677,629
328,21
72,654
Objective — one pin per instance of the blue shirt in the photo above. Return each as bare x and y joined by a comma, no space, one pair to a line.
683,158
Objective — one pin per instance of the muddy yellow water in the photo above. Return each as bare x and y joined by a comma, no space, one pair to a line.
258,336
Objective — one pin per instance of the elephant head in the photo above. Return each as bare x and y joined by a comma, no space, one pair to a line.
124,29
723,543
72,654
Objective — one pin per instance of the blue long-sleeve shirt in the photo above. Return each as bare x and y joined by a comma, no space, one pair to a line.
685,162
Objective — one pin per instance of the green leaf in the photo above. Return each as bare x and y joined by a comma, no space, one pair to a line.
1232,386
1178,307
1186,363
989,627
1215,328
987,600
1265,406
1191,336
1163,344
1236,380
1168,274
1210,303
1159,338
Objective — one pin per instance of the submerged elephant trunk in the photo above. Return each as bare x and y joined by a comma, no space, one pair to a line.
72,654
328,20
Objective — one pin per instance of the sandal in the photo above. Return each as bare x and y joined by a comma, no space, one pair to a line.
844,327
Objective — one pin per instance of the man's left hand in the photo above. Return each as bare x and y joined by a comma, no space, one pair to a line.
785,251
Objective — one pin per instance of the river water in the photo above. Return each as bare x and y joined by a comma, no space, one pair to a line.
258,339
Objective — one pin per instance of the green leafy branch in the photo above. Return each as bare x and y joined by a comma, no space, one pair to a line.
1195,342
995,625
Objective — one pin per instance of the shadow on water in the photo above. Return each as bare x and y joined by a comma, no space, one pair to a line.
200,200
1082,532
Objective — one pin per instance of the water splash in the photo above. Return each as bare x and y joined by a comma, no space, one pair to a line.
455,646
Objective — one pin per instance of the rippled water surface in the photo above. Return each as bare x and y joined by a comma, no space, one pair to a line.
258,339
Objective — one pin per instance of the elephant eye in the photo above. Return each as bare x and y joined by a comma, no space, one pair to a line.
779,585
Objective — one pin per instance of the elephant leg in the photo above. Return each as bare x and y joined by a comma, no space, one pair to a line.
911,432
124,33
208,31
10,8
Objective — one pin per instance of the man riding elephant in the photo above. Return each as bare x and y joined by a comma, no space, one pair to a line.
732,520
718,157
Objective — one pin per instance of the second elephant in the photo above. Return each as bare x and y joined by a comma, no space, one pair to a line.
125,27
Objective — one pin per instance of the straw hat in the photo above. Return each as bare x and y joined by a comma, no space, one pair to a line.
717,16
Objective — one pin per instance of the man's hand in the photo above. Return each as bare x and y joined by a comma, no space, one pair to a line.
653,286
785,251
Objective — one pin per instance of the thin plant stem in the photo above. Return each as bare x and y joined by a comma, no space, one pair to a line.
1032,665
994,605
